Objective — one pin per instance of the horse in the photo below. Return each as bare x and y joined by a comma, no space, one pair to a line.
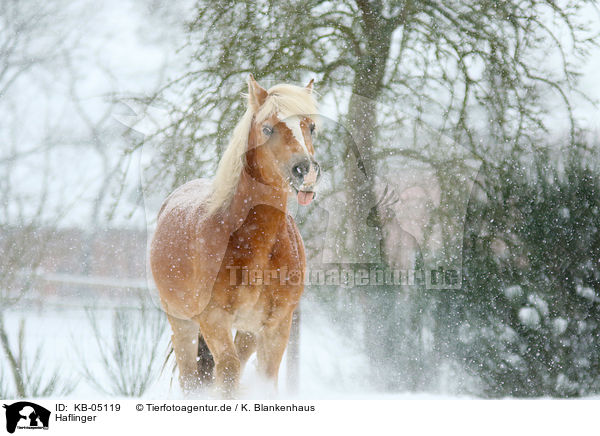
211,238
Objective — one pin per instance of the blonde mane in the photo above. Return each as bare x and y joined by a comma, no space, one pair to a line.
284,100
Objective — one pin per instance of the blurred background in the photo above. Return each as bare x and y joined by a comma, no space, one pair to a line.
459,145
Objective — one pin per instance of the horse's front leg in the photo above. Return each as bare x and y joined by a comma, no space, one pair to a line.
245,345
272,341
215,326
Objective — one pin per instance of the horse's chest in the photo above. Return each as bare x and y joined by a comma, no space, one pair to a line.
260,244
264,262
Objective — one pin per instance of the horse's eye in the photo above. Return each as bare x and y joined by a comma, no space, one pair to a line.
312,128
267,130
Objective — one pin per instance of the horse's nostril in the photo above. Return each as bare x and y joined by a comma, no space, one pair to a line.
301,169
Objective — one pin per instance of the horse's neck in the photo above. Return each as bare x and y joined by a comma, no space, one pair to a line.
251,193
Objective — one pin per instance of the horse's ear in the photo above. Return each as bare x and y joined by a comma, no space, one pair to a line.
310,86
256,94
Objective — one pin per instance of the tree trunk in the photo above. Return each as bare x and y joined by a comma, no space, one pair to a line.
365,241
362,130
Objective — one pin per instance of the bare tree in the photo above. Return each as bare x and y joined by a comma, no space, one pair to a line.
445,65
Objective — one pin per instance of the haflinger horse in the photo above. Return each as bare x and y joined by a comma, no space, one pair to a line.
210,237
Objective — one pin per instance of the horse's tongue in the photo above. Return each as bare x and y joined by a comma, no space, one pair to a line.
304,198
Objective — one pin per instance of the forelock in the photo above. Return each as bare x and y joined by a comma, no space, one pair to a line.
286,101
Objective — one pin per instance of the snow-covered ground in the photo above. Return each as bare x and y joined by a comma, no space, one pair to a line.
331,366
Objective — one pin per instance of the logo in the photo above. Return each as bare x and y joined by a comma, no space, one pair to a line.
26,415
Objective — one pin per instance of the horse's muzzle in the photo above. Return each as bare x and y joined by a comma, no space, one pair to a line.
305,175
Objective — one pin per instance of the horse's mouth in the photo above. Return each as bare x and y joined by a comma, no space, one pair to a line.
304,197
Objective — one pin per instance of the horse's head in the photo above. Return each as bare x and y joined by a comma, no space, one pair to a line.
280,145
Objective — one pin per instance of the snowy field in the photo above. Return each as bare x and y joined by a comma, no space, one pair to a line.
331,366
